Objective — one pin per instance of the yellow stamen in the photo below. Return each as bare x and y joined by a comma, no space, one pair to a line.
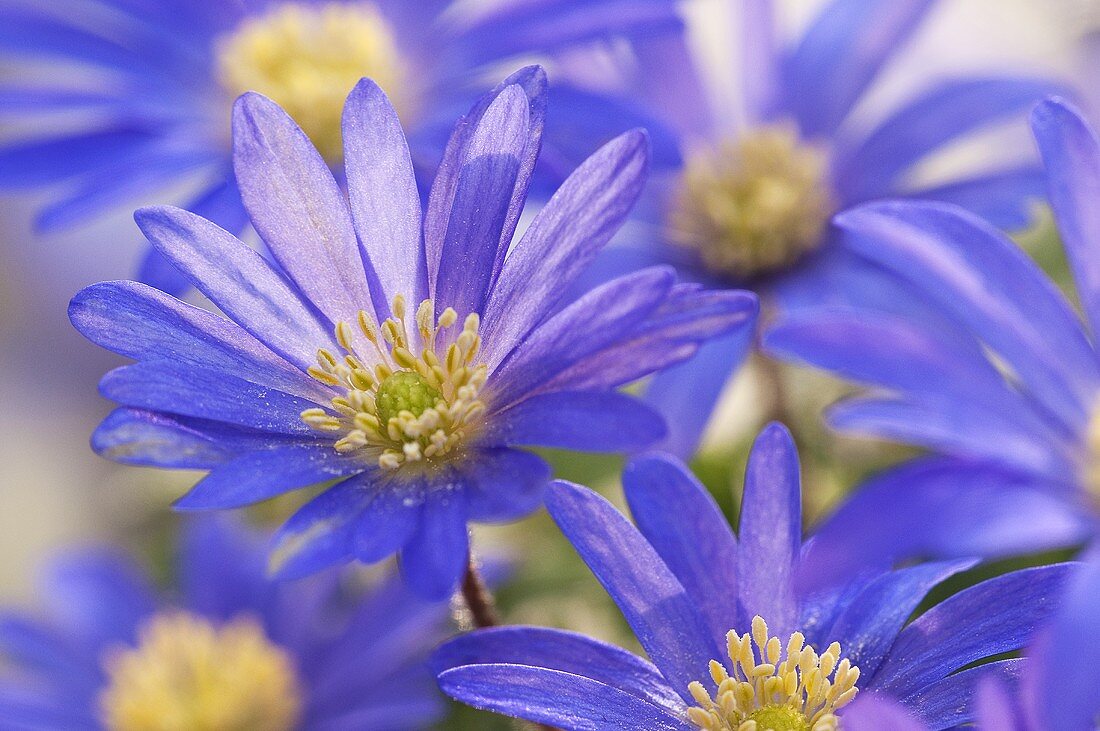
307,58
772,690
188,675
408,406
752,206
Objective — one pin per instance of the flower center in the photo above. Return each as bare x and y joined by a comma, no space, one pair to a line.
188,675
307,57
404,407
770,688
752,206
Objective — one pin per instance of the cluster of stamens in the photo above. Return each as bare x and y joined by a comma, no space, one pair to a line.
406,406
761,693
188,675
754,205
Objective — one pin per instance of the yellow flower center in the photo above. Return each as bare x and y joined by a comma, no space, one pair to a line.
769,689
307,57
188,675
752,206
398,407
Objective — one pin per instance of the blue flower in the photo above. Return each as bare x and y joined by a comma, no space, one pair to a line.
230,651
1058,691
999,376
144,89
405,358
752,202
711,608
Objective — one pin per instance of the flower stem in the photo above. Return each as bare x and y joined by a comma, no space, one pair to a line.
478,598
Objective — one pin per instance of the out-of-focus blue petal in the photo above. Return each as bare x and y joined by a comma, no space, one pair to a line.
663,617
563,651
877,164
504,484
596,320
770,532
1067,689
945,508
139,322
760,58
265,473
220,566
385,203
240,282
435,558
868,625
22,709
680,519
872,711
99,596
297,207
562,240
1072,159
994,707
840,55
986,282
44,161
561,700
667,80
1006,198
590,421
950,702
995,616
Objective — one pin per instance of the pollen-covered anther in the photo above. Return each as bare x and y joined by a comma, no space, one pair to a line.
773,688
307,57
752,206
404,402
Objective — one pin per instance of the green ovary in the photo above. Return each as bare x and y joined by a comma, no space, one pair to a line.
404,391
779,718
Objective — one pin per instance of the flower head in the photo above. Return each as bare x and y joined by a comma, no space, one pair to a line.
996,372
405,355
751,202
229,651
694,592
145,89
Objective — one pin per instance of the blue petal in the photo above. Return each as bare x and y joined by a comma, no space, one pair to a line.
770,531
1072,158
946,508
297,207
948,111
1068,688
385,204
560,700
562,240
555,649
841,54
869,624
240,282
504,484
435,558
874,712
221,566
662,615
265,473
388,517
583,420
986,282
995,616
950,702
1006,198
47,161
684,525
760,56
995,708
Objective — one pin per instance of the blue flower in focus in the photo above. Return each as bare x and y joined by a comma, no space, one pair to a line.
730,637
231,651
1057,693
407,359
122,99
1000,377
750,206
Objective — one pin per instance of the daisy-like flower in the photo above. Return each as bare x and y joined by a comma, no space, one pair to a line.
733,644
117,99
751,204
1000,376
405,358
1058,691
230,651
